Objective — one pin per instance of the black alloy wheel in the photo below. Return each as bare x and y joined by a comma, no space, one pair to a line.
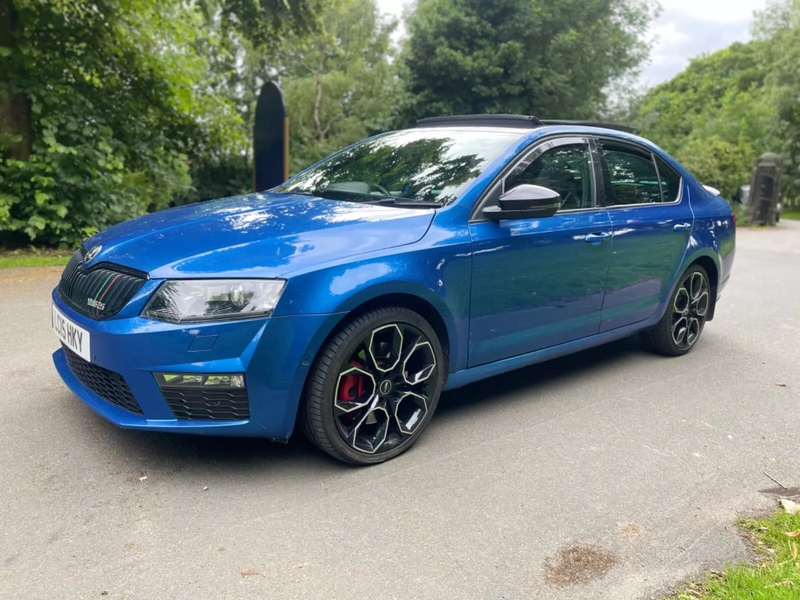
374,387
689,310
682,324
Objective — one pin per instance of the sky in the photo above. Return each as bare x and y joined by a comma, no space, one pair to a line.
685,29
688,28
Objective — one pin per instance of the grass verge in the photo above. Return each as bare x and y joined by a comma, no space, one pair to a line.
33,258
793,214
775,577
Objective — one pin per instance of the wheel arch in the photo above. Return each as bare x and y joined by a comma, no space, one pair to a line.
433,312
420,306
422,301
711,266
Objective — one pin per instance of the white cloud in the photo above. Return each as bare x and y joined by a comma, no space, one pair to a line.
687,29
716,10
668,33
393,7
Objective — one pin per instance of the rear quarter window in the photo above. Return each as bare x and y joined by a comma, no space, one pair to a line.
670,181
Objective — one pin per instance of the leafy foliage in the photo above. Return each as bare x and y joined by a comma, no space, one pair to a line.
339,83
719,163
340,86
117,108
729,107
551,59
779,26
264,23
715,117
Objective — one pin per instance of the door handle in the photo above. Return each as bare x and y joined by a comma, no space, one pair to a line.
683,227
596,238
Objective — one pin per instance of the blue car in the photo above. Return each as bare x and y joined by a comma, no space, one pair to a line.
347,299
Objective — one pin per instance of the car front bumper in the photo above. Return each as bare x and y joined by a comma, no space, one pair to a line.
275,355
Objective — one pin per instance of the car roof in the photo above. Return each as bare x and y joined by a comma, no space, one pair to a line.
515,122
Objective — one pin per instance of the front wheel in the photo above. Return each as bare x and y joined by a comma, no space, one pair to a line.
682,324
374,387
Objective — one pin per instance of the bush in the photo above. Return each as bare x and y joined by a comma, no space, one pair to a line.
118,101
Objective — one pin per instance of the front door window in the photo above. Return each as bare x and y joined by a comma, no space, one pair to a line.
564,169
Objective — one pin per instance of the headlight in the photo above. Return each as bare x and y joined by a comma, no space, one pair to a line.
182,301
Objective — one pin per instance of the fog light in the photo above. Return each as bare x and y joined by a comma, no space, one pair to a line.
201,380
205,396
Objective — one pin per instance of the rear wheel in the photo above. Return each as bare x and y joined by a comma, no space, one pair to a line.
683,322
374,387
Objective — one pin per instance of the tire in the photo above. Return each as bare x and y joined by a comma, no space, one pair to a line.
374,387
682,324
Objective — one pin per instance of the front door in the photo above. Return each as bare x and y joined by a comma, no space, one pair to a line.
538,283
652,221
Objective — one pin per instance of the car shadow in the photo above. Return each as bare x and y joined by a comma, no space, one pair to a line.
176,455
527,380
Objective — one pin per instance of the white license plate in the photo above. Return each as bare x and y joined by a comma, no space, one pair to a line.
75,338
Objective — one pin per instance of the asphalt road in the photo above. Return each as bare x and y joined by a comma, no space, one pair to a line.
649,459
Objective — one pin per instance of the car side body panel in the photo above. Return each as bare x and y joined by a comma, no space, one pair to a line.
712,237
436,270
646,252
714,234
537,283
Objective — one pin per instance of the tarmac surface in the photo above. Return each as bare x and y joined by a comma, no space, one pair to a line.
609,474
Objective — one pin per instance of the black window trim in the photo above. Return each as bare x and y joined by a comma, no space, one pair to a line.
642,150
530,154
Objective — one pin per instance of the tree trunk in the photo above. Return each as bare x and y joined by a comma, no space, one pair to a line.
318,98
15,108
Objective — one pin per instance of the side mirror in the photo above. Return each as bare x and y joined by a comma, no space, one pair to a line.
525,202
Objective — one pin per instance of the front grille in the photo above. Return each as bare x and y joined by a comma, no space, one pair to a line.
99,292
110,386
207,404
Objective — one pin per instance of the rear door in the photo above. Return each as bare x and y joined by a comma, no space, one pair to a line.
651,220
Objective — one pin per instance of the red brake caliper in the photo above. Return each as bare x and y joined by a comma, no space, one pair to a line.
351,387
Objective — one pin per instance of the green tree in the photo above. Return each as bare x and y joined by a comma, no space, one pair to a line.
340,85
110,108
246,39
550,59
716,116
265,23
117,107
778,26
717,162
694,101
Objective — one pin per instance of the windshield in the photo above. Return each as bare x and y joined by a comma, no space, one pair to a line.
424,168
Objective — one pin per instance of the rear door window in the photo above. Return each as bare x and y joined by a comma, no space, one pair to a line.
631,173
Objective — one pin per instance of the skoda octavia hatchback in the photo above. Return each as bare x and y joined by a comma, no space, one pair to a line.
346,300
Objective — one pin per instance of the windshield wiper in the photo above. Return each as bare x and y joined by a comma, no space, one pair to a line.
381,201
405,203
311,193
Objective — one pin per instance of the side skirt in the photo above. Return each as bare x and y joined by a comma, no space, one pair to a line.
467,376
